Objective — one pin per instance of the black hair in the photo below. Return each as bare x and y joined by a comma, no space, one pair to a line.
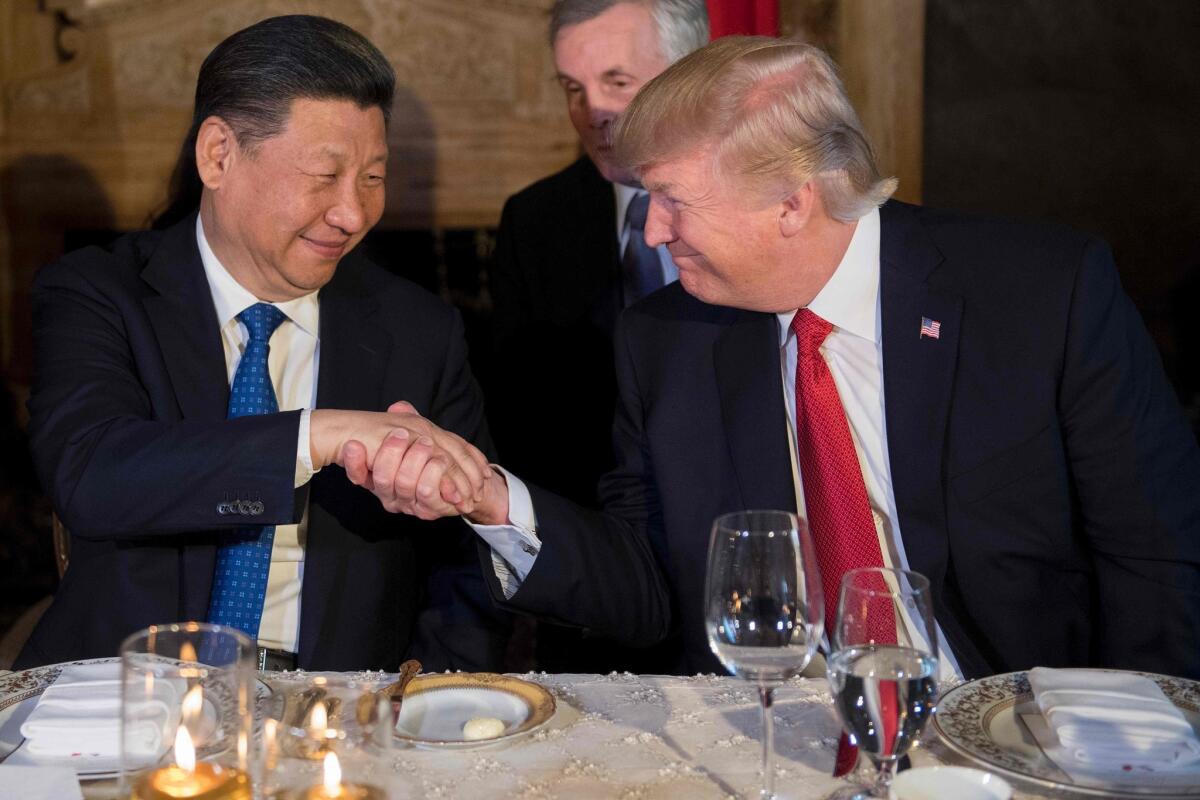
251,78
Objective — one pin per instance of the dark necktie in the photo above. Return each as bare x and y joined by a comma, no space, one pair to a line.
240,577
641,271
835,495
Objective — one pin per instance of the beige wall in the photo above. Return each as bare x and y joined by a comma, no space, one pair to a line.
95,98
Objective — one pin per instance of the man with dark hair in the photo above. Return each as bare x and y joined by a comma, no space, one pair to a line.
194,387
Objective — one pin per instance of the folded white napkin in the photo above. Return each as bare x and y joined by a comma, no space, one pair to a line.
80,716
1114,718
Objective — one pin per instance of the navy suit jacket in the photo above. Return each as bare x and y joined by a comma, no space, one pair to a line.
1045,479
130,439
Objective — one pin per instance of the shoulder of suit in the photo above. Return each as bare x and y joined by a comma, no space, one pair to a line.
672,305
120,260
357,274
563,186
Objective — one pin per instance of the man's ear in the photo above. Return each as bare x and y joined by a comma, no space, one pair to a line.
216,146
797,209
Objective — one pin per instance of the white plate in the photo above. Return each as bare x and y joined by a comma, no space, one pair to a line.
981,720
436,707
19,693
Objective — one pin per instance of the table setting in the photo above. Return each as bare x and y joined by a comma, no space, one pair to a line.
182,712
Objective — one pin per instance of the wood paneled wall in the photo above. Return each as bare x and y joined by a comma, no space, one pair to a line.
95,97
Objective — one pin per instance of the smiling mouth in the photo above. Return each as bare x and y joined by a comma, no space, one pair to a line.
331,249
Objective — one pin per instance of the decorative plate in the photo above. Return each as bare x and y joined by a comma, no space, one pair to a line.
437,707
19,692
981,719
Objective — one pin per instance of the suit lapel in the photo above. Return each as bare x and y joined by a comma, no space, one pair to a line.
750,388
354,355
185,323
918,381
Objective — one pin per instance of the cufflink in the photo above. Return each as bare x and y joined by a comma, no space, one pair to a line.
529,549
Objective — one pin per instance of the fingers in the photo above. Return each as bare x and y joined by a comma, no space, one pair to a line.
354,461
387,463
401,407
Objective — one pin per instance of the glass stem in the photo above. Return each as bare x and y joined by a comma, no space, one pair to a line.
766,694
883,777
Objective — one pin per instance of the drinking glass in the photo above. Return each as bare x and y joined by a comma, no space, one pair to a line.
883,671
187,713
764,613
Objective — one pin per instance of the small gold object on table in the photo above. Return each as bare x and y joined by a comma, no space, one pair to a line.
191,684
341,722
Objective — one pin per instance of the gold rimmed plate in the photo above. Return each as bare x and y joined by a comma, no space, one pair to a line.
437,707
982,720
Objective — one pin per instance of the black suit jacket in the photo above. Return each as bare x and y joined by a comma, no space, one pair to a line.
1045,479
556,289
130,439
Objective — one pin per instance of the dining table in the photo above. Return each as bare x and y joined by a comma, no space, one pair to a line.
637,737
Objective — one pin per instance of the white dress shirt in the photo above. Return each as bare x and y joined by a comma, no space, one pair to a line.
293,361
854,353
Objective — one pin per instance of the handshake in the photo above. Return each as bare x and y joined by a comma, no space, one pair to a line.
412,466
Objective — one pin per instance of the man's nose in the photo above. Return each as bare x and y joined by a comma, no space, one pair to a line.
660,227
348,211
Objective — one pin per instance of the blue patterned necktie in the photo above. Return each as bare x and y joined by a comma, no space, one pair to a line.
240,578
641,271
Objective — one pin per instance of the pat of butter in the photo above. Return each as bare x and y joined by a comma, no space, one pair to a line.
482,728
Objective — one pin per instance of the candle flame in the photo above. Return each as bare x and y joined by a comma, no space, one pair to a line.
333,775
187,653
193,703
318,721
185,753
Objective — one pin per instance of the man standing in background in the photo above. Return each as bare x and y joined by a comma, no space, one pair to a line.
570,254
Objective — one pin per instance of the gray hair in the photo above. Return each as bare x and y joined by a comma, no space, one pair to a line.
682,24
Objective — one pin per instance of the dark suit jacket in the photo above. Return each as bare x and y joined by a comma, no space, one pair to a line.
130,439
1045,479
556,288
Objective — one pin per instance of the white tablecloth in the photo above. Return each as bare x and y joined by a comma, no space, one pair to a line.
632,737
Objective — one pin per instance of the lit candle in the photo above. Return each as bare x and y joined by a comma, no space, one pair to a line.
332,788
187,779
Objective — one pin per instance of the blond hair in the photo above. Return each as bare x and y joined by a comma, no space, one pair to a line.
774,113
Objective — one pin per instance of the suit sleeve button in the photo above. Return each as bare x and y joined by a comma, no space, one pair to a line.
257,507
222,508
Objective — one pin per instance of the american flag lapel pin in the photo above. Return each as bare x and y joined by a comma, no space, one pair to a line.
931,328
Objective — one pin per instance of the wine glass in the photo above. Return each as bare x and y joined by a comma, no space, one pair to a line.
883,671
764,612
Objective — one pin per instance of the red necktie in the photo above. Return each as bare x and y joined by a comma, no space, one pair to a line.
839,513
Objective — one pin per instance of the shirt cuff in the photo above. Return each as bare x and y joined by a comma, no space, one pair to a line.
304,464
514,546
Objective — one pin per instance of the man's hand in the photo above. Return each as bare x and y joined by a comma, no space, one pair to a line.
357,440
409,476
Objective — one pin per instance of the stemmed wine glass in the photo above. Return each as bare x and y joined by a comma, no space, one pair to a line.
883,671
764,611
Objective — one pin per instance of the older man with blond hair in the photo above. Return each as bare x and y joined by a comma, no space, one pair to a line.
974,399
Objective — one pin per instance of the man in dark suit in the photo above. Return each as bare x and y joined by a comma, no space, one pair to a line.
560,274
183,496
993,410
568,258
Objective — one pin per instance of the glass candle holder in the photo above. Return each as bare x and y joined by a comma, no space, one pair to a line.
326,736
187,713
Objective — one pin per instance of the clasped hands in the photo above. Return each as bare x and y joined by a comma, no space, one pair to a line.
412,466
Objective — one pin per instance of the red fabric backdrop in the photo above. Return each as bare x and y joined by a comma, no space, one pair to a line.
727,17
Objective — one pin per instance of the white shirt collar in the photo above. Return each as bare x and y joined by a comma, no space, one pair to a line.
850,298
231,298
